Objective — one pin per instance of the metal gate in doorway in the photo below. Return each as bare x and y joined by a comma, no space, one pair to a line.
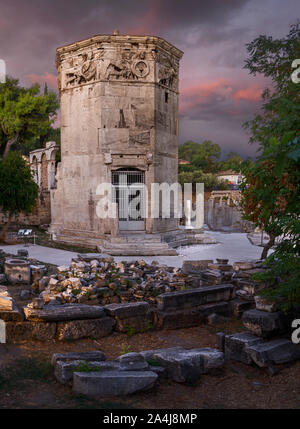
129,193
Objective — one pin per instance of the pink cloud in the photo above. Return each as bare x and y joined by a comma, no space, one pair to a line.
48,78
249,94
196,95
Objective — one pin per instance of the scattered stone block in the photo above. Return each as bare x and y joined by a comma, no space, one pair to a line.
97,356
264,324
64,370
37,272
128,310
22,253
20,331
195,267
6,303
189,317
149,354
212,359
236,346
132,362
274,352
239,306
62,269
128,316
264,305
11,315
243,265
195,297
182,366
112,383
25,294
58,313
89,328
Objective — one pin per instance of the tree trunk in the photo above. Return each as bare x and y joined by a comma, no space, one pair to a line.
268,246
9,144
4,230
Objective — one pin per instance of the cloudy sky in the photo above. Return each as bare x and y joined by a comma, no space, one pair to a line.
216,94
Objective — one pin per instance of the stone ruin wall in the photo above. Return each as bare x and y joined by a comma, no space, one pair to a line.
43,165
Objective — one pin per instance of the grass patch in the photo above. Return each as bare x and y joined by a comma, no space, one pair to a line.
24,369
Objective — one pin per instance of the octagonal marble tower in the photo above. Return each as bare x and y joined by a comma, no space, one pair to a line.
119,123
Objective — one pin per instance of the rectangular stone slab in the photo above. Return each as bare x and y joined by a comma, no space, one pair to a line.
97,356
20,331
126,311
57,313
274,352
11,316
195,297
88,328
112,383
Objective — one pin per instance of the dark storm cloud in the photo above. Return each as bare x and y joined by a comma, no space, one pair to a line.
216,95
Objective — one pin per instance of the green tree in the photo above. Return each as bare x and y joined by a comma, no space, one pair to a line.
210,180
281,108
18,191
233,162
271,189
25,114
201,155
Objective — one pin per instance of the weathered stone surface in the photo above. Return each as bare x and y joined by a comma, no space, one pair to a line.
239,306
264,304
189,317
178,319
149,354
182,365
132,362
37,272
89,328
274,352
243,265
212,358
17,271
128,310
134,324
97,356
195,297
264,324
195,267
112,383
236,346
6,303
220,341
64,370
11,315
25,294
65,312
20,331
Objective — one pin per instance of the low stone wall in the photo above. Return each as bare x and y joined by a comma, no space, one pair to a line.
76,321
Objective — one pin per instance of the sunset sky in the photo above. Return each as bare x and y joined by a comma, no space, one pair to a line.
216,94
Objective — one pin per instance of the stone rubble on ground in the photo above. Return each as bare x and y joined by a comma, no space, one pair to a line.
93,375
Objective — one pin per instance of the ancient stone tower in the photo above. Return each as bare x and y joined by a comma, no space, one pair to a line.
119,125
